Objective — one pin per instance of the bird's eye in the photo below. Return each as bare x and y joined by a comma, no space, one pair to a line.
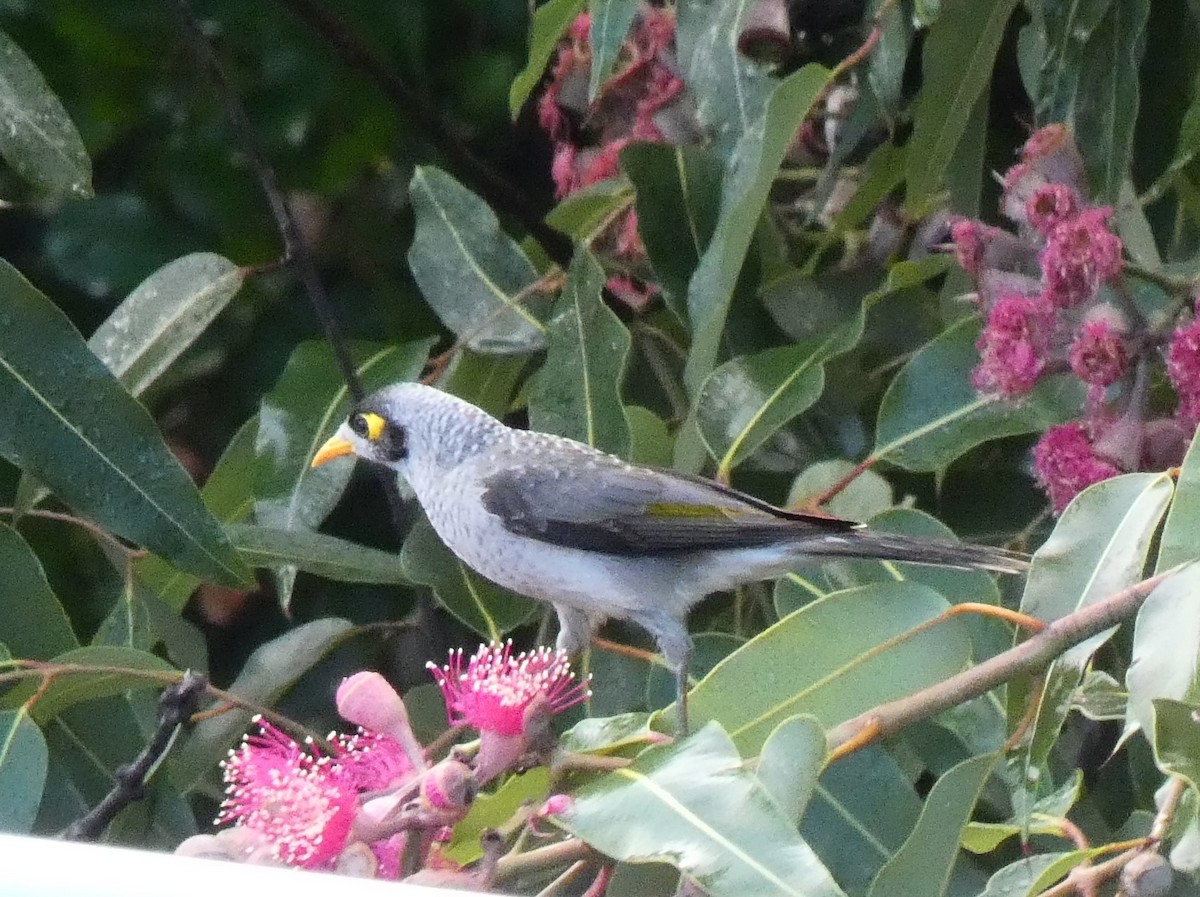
358,423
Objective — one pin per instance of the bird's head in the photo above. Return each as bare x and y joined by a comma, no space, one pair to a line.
409,425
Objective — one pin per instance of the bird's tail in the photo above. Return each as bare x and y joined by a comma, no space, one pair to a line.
912,550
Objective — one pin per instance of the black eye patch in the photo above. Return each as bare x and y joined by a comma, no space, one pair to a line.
394,442
358,424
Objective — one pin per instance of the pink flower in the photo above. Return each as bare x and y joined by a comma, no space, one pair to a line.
1098,355
1081,254
562,169
372,761
496,689
1012,346
1065,464
1045,142
303,804
968,236
1049,206
1183,369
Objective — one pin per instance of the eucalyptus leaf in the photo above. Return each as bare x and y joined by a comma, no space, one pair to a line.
748,399
837,664
678,198
732,90
931,415
790,762
925,862
859,815
24,760
957,66
316,553
1098,548
749,176
693,805
66,420
163,316
477,603
550,22
577,391
34,624
1165,660
610,25
37,137
227,494
472,274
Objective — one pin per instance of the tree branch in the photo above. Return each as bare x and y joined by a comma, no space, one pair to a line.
1027,658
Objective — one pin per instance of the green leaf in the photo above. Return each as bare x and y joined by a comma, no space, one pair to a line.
308,403
861,812
923,865
790,762
128,623
733,88
1165,659
68,689
610,25
34,624
227,495
747,400
486,381
493,810
957,66
693,805
1031,875
37,137
585,214
550,21
837,663
1106,106
753,166
163,316
867,494
957,586
1178,543
24,760
931,414
316,553
577,391
1100,697
269,672
66,420
154,325
1176,739
479,604
472,274
678,198
1187,145
1098,548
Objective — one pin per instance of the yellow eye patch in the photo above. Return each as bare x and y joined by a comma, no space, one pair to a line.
375,425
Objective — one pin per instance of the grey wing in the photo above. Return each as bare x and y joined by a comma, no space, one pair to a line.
608,506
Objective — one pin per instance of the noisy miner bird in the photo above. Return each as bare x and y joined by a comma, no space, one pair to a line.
593,535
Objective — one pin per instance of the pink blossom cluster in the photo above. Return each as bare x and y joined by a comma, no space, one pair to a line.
1052,299
640,101
352,804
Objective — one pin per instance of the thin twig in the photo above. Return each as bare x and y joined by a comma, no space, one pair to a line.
296,250
552,856
1027,658
95,529
176,705
426,118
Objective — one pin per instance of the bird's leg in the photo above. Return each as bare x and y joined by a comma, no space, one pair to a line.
574,630
676,647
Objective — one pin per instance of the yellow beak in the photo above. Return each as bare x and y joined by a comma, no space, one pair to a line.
334,448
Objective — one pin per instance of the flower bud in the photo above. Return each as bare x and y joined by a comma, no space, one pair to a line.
449,785
1147,875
